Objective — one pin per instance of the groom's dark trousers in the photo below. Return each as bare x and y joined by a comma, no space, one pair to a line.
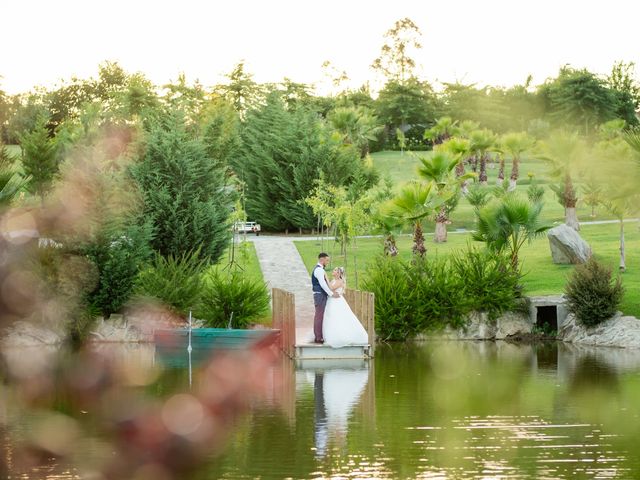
320,302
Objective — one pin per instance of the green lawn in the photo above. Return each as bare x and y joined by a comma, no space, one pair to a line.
245,258
541,275
402,167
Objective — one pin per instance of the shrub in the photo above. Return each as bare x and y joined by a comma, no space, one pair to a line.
118,258
592,295
435,294
232,292
488,283
176,281
387,278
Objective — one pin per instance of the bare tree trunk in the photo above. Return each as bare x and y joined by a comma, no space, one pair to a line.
459,172
483,170
501,171
440,235
418,240
515,172
571,218
474,164
390,247
570,202
623,265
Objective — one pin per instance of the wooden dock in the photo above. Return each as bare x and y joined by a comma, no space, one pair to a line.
362,304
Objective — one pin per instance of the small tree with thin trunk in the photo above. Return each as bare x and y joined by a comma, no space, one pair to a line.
592,194
516,145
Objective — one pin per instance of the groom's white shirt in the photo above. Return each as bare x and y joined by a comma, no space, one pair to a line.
319,274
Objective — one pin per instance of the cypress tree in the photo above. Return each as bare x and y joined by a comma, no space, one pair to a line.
185,196
283,153
40,160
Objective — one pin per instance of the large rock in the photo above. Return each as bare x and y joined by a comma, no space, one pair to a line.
479,327
27,334
567,246
618,331
116,330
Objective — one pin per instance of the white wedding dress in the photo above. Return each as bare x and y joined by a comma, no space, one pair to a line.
340,326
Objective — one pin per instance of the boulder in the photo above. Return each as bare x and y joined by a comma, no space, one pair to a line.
27,334
567,246
480,327
512,324
619,331
116,330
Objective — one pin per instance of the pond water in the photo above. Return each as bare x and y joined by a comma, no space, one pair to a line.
435,410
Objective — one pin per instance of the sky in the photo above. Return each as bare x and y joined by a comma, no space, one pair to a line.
486,42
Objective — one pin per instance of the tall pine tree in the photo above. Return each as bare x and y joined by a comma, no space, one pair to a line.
184,191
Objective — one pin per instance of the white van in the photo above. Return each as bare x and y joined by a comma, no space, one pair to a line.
247,227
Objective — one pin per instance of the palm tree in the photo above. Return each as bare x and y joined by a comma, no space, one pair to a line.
516,144
459,148
505,225
357,125
415,202
480,143
566,155
443,130
465,130
439,168
389,226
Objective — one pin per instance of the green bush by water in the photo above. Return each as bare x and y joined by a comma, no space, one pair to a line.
231,292
593,296
488,282
175,281
423,295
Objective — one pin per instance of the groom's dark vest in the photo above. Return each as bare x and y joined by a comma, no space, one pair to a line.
315,284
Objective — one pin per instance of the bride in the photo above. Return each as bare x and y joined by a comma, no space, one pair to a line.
340,327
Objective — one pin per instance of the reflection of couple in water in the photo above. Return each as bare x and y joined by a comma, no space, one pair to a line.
336,393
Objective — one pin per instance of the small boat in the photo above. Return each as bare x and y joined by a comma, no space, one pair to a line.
215,338
172,345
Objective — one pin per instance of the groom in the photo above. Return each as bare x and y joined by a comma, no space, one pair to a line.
321,292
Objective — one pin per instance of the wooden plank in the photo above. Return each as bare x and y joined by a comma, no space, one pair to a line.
283,304
363,306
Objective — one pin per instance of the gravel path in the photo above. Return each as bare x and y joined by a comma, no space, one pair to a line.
282,267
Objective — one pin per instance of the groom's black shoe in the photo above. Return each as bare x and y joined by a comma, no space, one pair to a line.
318,341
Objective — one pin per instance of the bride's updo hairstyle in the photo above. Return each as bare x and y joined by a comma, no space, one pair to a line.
341,272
